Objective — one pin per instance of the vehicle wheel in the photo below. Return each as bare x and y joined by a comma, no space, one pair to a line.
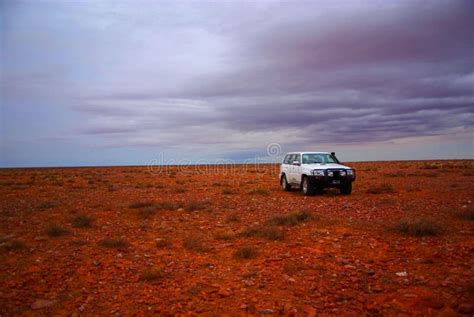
284,184
306,187
346,189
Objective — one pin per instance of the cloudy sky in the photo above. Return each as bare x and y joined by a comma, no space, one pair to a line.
107,83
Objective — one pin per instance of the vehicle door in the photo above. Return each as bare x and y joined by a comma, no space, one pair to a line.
289,169
296,169
285,165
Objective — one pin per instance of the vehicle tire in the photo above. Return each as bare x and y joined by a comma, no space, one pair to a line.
306,187
346,189
284,184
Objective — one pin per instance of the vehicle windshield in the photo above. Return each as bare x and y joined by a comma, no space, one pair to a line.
318,158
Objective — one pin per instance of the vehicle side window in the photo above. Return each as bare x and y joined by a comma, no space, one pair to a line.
287,159
290,159
297,158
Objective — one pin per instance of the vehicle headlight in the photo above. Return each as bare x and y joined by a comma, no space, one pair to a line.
318,172
350,172
342,173
330,174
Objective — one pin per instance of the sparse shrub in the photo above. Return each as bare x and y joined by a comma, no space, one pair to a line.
169,205
180,182
82,221
267,232
79,242
259,191
418,227
194,243
114,243
232,218
411,189
147,212
48,205
245,253
180,190
227,191
152,274
195,206
13,245
430,166
140,204
466,214
224,235
163,243
381,189
387,201
216,184
56,231
291,268
290,219
397,174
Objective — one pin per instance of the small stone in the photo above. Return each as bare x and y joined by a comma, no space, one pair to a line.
433,302
224,293
309,310
42,303
370,272
466,308
402,274
265,311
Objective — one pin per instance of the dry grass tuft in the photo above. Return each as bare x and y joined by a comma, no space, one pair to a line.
224,235
56,231
419,227
246,253
194,243
47,205
114,243
291,219
163,243
82,221
381,189
195,206
267,232
466,214
232,218
10,246
148,212
152,274
259,191
140,204
169,205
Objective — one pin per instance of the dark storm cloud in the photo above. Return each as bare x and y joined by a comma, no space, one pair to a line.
238,75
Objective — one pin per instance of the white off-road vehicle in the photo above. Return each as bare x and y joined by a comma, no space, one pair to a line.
314,171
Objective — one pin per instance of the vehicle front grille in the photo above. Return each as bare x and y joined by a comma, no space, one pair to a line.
335,174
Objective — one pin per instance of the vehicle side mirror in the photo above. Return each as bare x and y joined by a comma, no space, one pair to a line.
296,163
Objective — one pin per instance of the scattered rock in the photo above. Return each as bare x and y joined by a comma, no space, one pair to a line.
266,311
402,274
224,293
42,303
465,308
432,302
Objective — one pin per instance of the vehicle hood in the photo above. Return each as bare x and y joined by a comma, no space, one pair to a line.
325,166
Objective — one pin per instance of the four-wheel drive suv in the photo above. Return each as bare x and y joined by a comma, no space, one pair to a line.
314,171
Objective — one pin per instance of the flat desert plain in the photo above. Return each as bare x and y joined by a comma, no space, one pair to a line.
216,240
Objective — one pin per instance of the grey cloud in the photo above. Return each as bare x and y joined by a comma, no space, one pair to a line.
239,74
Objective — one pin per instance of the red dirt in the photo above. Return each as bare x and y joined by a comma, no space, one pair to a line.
343,261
